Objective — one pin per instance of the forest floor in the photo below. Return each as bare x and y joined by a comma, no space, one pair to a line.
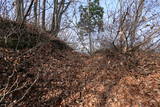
53,74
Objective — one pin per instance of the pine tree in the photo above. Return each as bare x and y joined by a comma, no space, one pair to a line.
91,19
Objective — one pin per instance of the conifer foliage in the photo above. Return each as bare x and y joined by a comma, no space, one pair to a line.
91,19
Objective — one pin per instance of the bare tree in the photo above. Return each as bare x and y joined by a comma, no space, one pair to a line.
59,8
132,26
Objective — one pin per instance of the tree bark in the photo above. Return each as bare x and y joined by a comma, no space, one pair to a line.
35,12
19,10
55,17
44,15
90,43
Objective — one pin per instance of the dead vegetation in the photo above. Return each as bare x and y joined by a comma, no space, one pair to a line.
18,36
53,74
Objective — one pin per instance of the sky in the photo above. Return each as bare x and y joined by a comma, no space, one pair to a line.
108,4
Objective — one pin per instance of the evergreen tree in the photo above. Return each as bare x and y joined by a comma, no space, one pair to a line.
91,19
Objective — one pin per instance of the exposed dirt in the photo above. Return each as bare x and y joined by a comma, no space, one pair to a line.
52,74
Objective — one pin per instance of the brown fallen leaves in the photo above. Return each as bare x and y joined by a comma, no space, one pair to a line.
68,78
53,74
142,91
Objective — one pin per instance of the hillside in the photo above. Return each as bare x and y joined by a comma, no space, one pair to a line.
50,73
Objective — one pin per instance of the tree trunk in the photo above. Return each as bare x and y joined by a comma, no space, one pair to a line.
19,10
39,13
35,12
44,14
90,43
55,18
59,8
28,11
